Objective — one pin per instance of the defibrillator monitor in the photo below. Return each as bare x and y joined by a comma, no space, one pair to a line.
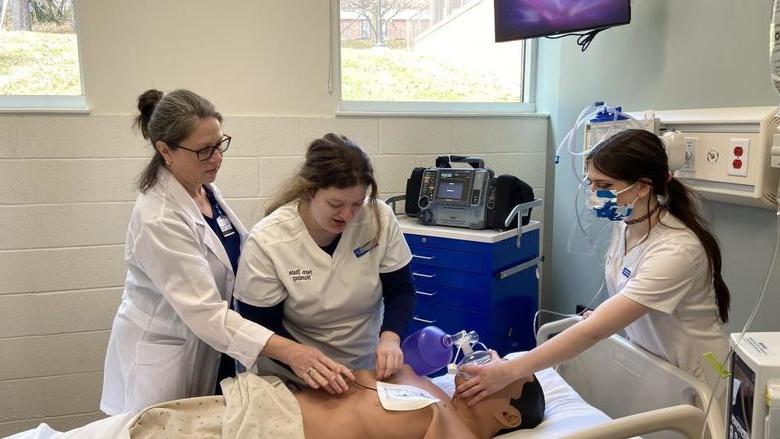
465,197
454,197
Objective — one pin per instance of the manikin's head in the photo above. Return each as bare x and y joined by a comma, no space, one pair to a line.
517,406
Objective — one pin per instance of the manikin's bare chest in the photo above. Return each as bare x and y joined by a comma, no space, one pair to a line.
359,414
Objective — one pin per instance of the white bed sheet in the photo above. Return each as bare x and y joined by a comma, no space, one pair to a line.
565,411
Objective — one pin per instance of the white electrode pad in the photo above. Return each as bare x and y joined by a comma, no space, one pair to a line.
401,398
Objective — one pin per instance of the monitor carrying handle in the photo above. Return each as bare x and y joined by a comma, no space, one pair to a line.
445,160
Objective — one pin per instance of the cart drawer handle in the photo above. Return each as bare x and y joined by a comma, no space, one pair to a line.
424,258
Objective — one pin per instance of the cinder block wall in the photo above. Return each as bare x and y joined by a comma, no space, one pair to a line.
68,190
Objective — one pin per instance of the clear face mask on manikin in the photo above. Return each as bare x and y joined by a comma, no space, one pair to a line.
603,204
466,342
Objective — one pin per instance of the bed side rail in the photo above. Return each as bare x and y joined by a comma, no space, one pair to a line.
643,381
684,419
547,330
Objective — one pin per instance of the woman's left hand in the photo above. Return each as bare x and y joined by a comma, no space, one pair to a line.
389,357
485,379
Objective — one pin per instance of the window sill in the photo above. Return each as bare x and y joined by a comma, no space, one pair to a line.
44,104
436,109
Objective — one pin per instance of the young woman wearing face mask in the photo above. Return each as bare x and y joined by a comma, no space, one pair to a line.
329,267
663,271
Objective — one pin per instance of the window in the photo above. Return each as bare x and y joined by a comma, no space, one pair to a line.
429,56
39,56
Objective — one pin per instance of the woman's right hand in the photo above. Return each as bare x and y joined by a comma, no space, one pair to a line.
317,369
310,364
485,379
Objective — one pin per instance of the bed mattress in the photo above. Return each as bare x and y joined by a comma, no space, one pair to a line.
565,411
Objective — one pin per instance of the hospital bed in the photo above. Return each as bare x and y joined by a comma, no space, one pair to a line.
613,390
616,379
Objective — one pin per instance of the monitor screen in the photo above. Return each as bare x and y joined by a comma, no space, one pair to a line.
741,394
519,19
450,190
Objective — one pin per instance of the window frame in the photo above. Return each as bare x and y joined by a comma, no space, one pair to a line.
51,103
406,108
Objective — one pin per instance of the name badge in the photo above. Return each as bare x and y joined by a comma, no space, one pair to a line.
225,226
365,248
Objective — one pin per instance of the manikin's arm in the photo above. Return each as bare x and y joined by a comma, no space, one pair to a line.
610,317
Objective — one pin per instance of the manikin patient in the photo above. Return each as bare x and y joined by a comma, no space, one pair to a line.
357,413
360,414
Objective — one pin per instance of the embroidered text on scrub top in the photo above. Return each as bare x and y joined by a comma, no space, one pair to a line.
298,274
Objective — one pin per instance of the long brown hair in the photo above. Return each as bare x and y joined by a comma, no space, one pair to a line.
168,118
335,161
638,155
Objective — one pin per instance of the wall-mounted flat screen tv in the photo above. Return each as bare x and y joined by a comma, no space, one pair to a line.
520,19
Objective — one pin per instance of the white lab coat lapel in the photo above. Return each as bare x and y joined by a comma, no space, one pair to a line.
210,239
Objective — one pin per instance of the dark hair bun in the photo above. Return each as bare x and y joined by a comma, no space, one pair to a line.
146,104
148,100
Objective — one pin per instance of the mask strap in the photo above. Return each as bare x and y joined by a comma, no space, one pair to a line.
452,368
627,188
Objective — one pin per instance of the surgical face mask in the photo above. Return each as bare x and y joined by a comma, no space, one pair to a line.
603,203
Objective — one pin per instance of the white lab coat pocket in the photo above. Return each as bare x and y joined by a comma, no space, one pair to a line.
161,372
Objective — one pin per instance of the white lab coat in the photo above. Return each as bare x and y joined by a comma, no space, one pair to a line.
174,317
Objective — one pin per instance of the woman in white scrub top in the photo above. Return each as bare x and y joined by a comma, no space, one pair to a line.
182,250
329,266
663,271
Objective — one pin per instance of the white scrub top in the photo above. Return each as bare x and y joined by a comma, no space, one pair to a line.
331,303
669,273
174,317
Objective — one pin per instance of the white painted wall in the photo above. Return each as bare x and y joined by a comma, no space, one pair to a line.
69,179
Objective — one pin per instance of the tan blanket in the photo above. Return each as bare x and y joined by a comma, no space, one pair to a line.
252,407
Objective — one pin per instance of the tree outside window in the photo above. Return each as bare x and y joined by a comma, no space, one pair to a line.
38,48
426,51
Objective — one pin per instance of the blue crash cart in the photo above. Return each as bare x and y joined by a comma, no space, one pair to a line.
476,280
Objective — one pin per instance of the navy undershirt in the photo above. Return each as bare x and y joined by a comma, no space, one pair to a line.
232,246
231,243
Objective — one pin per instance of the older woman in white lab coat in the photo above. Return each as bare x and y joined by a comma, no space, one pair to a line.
182,250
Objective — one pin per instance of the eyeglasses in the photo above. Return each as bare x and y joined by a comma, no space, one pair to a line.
206,153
